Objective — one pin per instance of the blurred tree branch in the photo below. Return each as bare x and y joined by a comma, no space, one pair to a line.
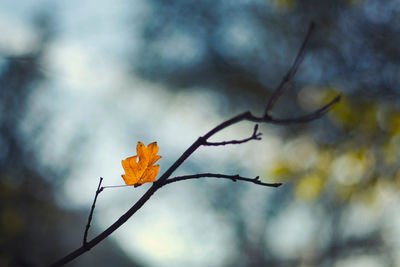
203,141
292,71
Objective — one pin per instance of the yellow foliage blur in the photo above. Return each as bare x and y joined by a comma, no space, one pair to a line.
310,186
342,112
280,172
391,149
355,2
284,4
353,167
11,221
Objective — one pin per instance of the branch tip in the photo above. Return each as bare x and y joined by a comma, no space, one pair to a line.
291,73
316,114
98,191
312,25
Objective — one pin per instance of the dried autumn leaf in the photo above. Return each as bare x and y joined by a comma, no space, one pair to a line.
142,171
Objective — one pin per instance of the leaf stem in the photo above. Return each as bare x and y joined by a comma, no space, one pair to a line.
115,186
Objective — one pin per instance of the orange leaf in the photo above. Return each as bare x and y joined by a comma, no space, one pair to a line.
142,171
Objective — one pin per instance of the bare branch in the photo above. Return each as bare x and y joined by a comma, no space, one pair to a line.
255,136
163,180
248,116
98,191
308,117
292,71
234,178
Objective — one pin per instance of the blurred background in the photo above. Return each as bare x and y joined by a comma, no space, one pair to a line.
82,81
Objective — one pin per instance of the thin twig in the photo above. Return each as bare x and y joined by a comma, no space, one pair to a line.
234,178
292,71
98,191
115,186
248,116
255,136
308,117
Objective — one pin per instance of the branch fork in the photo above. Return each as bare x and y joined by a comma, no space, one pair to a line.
255,136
